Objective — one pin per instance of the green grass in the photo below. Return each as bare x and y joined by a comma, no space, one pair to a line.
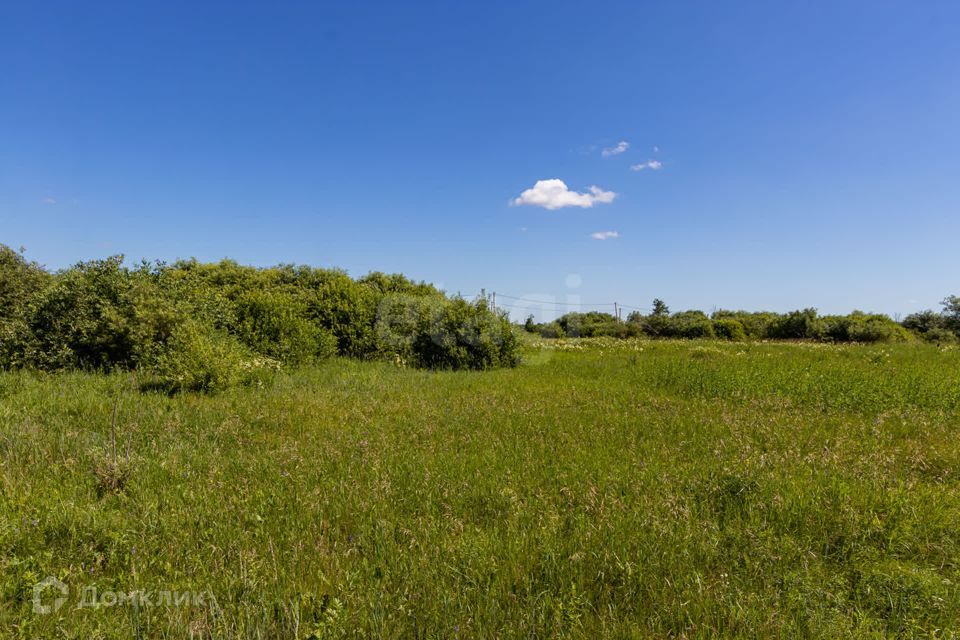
603,488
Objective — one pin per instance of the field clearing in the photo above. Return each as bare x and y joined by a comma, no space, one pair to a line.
620,488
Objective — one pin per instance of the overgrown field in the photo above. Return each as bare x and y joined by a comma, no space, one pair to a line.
611,488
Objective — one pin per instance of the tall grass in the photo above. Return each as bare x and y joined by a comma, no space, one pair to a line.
604,488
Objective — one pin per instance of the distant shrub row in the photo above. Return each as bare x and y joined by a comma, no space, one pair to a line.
196,326
943,327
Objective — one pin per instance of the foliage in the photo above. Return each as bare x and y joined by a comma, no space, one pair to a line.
951,313
198,358
862,327
797,325
440,333
104,315
729,329
20,283
742,325
276,324
689,324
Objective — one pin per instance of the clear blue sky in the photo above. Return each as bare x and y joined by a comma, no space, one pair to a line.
794,153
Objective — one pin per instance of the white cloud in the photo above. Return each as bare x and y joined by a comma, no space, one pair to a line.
554,194
649,164
605,235
622,146
49,200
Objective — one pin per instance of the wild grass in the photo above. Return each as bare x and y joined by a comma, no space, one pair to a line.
605,488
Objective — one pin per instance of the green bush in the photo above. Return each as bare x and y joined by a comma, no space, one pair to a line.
951,313
440,333
85,320
797,325
198,358
348,310
276,324
20,283
877,329
591,324
552,330
862,327
690,325
924,321
729,329
940,336
755,324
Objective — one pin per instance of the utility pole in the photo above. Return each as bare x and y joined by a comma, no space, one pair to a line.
616,311
494,300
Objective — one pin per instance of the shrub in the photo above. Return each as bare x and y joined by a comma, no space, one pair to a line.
690,324
591,324
85,319
939,336
529,325
552,330
951,313
755,324
20,283
198,358
862,327
924,321
656,326
348,310
797,325
440,333
275,324
729,329
877,329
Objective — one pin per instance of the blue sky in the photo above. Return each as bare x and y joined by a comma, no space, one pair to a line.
793,154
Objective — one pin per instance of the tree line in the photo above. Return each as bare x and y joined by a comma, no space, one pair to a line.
941,327
198,326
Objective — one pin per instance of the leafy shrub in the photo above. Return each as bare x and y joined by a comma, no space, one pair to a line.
729,329
690,324
862,327
85,319
529,325
951,313
755,324
552,330
797,325
20,283
440,333
924,321
940,336
198,358
877,329
348,310
591,324
275,324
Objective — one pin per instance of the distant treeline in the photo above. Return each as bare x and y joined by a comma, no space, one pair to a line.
940,327
196,326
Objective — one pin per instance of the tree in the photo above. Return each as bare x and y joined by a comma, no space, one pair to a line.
660,308
951,313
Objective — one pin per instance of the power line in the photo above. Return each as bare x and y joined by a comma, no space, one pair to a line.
559,304
532,303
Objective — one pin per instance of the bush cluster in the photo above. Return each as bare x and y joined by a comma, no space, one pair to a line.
198,326
805,324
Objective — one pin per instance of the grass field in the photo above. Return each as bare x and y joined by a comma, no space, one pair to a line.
603,488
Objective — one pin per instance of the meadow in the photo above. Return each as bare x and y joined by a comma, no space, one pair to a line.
602,488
